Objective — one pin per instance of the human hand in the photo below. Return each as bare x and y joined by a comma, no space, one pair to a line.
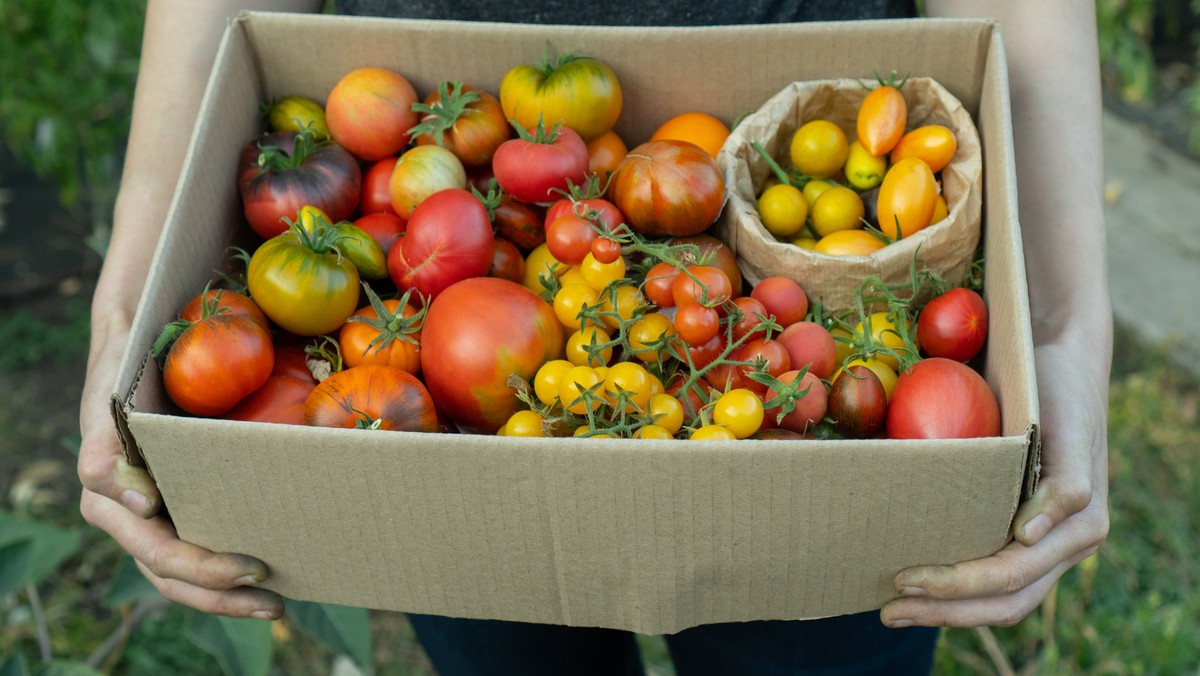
1064,522
123,501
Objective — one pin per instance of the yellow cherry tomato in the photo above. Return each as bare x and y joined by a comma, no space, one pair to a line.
783,210
883,331
525,424
666,412
837,208
630,380
646,333
652,432
848,243
740,411
887,377
628,299
712,433
570,300
841,342
548,378
813,189
819,149
575,383
576,350
599,275
805,242
540,262
572,275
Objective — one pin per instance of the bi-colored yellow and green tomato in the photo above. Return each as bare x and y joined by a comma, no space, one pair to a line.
848,197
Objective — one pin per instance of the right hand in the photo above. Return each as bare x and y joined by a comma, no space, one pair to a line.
123,501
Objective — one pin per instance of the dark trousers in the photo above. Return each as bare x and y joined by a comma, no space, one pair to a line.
850,644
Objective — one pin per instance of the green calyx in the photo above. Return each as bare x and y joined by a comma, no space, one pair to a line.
442,115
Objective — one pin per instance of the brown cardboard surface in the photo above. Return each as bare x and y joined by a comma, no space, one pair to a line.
647,536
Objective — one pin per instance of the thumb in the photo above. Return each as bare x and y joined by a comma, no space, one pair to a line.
1055,500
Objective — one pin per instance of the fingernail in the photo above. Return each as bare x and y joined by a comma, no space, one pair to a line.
263,615
249,579
912,591
1035,529
135,502
900,624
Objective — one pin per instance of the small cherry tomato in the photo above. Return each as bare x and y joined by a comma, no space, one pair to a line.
740,411
819,149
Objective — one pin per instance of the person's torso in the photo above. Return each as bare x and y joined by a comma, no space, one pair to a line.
633,12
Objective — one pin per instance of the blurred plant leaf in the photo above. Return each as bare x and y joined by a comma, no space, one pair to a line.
64,668
49,546
242,646
14,665
343,629
15,558
128,585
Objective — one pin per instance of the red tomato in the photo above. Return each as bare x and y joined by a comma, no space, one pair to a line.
449,239
942,399
507,262
858,403
477,333
223,301
606,250
954,325
371,397
809,407
750,310
520,223
810,344
570,238
375,196
280,400
881,120
535,168
705,285
466,121
384,227
668,188
369,112
292,360
603,212
718,255
783,298
660,279
280,172
775,355
696,324
216,362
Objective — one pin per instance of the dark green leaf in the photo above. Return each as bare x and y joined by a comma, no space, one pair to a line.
14,665
50,546
242,646
128,585
343,629
64,668
15,558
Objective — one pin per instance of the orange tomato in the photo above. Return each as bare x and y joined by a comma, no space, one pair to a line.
605,152
881,119
391,340
932,143
702,129
848,243
907,198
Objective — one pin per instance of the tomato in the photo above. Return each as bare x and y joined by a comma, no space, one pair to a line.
702,284
769,356
700,355
813,189
607,251
940,210
954,325
714,252
281,172
294,113
361,249
740,411
907,198
580,91
882,116
302,283
570,300
477,333
858,403
884,333
783,298
942,399
421,172
375,195
696,324
216,362
933,144
369,112
668,188
808,397
538,167
629,381
660,279
599,275
810,344
222,301
570,237
384,333
691,401
279,400
885,373
836,209
291,359
385,227
712,433
583,347
507,262
524,424
819,149
702,129
371,397
541,263
579,390
605,152
596,209
466,121
652,432
848,243
782,210
449,239
618,304
864,170
520,223
666,412
751,313
649,336
547,379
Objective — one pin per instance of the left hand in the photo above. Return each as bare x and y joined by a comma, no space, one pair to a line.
1064,522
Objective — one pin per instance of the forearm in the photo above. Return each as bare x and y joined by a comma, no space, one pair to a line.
1055,89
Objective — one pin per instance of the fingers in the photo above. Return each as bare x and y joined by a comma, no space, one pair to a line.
183,572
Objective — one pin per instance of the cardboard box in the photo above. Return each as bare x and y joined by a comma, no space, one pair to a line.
649,536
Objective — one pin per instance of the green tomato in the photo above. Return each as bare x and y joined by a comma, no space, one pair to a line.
303,284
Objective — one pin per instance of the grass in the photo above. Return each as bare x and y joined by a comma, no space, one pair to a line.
1131,609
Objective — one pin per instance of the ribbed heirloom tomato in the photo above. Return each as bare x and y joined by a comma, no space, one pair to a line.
369,112
477,333
449,238
371,397
668,188
578,90
216,362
